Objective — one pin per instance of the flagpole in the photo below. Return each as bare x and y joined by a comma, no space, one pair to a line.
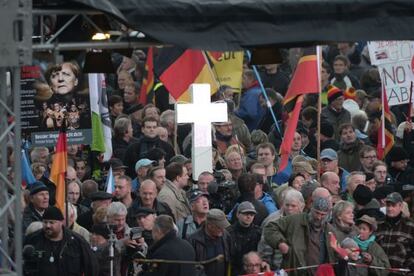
318,140
269,106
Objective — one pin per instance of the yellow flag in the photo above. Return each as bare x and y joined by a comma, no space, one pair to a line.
229,68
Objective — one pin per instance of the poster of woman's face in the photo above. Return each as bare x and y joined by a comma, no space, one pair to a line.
60,98
64,78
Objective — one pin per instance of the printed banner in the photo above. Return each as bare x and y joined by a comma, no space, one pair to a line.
51,97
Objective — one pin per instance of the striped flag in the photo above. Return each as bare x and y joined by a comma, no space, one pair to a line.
58,171
146,94
101,122
385,134
178,68
305,80
27,174
110,182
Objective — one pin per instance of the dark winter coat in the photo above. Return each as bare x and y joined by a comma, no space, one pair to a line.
72,257
170,247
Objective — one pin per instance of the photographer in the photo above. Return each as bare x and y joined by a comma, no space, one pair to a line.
126,243
100,235
55,250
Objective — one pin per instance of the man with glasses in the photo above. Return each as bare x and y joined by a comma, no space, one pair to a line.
367,157
253,263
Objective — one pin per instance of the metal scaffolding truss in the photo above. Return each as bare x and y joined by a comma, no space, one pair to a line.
119,39
17,43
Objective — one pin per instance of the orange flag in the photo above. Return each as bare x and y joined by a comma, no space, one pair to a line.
57,174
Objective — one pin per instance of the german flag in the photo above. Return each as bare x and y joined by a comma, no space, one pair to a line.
146,94
305,80
58,171
178,68
385,135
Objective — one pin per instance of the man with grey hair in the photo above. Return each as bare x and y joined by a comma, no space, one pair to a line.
123,136
293,203
168,246
353,180
306,233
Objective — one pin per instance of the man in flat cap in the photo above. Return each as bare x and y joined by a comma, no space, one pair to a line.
59,250
302,238
211,240
396,234
98,199
39,201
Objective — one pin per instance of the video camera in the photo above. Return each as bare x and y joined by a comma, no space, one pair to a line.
223,193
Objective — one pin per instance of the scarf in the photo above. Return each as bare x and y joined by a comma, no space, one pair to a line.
364,244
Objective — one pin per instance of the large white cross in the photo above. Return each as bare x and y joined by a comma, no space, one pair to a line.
201,113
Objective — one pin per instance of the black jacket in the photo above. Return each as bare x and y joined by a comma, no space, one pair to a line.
72,256
160,208
244,240
30,215
199,242
137,151
119,146
170,247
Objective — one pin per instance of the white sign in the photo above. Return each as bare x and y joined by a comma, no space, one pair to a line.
201,113
393,59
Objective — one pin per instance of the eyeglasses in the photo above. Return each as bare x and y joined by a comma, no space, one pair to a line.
252,265
370,157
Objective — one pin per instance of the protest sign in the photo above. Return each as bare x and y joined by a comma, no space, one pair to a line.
393,59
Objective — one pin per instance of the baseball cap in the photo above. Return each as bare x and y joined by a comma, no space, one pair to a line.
143,163
329,154
394,198
246,207
196,194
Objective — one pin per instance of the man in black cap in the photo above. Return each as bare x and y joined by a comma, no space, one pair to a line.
396,234
245,235
39,201
98,199
60,251
199,208
118,168
397,160
145,218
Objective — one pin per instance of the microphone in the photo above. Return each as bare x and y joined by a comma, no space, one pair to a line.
28,251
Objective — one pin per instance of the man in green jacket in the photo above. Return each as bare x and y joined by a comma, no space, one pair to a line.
302,238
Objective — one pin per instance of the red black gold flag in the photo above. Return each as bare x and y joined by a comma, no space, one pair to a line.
385,134
58,171
146,93
178,68
305,80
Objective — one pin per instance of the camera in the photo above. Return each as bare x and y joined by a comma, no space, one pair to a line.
223,193
135,233
31,258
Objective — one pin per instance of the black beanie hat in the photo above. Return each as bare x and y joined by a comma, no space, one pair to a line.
52,213
397,154
382,191
37,187
362,195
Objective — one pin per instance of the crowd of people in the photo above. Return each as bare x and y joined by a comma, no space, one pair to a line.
348,209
